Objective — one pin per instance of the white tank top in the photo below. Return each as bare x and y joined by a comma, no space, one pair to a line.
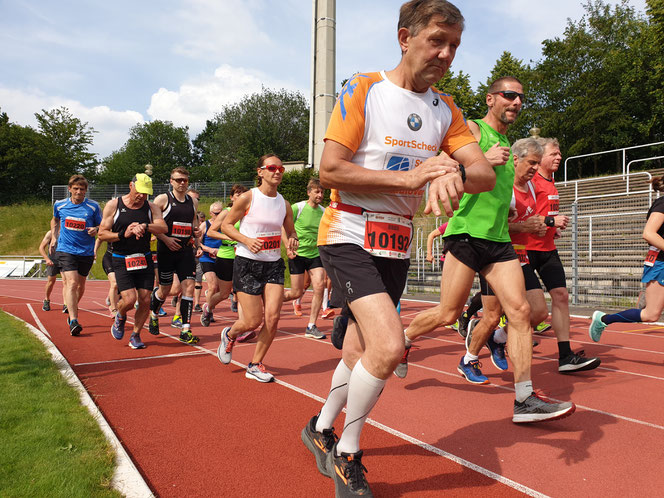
263,221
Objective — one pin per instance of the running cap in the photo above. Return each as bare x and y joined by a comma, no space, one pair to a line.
143,183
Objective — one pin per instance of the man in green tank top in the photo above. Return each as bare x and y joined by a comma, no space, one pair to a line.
307,215
477,240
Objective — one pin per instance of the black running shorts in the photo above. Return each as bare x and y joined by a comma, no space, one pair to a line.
74,262
181,263
223,267
478,253
107,263
549,267
298,265
133,279
251,276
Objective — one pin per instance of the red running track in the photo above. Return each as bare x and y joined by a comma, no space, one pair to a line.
195,427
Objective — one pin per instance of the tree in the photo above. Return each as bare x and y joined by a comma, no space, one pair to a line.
67,140
158,143
458,86
275,121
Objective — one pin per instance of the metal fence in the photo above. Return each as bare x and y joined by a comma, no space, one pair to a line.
602,249
103,193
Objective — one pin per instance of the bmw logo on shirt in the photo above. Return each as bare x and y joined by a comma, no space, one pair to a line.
414,122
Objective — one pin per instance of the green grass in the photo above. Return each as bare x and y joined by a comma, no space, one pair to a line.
49,443
22,227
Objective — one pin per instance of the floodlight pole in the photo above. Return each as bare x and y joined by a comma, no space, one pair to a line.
323,75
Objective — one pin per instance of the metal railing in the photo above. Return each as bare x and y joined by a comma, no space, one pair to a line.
623,152
22,267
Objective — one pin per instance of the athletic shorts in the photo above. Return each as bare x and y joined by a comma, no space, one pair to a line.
251,276
654,272
550,269
298,265
54,269
74,262
223,268
478,253
355,273
107,263
199,272
207,266
181,263
134,279
532,282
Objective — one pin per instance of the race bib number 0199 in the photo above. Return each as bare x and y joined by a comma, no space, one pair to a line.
387,235
136,261
651,257
271,241
75,224
182,230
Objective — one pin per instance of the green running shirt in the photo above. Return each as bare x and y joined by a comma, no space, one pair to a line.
307,220
227,247
484,215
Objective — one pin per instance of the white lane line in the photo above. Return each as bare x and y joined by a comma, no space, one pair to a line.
37,320
174,355
126,477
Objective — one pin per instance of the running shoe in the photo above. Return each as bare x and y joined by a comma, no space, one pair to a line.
462,328
503,321
233,303
162,312
206,316
176,323
497,353
198,309
471,372
455,326
314,333
153,324
542,327
327,313
319,443
108,301
256,371
339,326
118,327
225,349
577,362
402,368
136,305
297,308
348,474
188,338
597,326
74,327
536,408
64,309
135,342
47,305
246,337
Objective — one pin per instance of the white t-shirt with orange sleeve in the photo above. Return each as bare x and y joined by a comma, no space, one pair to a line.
387,128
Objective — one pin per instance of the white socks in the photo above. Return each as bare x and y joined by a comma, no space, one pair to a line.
523,390
336,399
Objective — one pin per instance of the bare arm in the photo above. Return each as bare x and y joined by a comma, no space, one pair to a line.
289,228
55,232
46,241
215,227
236,213
534,224
434,233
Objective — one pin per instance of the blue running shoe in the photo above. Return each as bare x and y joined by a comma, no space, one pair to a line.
176,323
471,372
135,342
597,326
497,353
118,327
162,312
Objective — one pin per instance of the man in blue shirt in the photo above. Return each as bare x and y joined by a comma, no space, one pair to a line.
74,225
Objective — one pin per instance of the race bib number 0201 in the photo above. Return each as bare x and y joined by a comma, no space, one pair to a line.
75,224
387,235
271,241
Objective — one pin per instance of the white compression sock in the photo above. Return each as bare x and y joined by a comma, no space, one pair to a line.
326,296
523,390
363,392
336,399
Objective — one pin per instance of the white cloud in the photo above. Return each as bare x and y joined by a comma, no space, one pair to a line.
112,126
198,100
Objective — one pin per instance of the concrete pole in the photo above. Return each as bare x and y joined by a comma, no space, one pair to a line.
323,75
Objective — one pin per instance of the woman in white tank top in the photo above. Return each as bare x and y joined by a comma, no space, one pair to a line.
258,273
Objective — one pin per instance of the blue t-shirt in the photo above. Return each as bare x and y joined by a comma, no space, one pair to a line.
210,242
75,219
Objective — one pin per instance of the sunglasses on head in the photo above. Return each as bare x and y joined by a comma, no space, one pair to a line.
273,168
180,180
510,95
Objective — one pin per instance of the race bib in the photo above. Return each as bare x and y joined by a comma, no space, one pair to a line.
387,235
271,241
554,205
181,230
136,262
75,224
154,258
521,253
651,257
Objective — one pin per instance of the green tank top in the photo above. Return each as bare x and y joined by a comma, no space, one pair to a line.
307,220
484,215
227,247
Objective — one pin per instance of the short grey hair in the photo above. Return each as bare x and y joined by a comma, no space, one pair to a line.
548,141
527,146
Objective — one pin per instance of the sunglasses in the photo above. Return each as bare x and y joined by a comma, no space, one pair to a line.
273,168
510,95
215,214
180,180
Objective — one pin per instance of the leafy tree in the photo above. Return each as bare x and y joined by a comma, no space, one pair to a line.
458,86
159,143
67,141
274,121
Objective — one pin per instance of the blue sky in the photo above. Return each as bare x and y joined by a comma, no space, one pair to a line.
115,64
